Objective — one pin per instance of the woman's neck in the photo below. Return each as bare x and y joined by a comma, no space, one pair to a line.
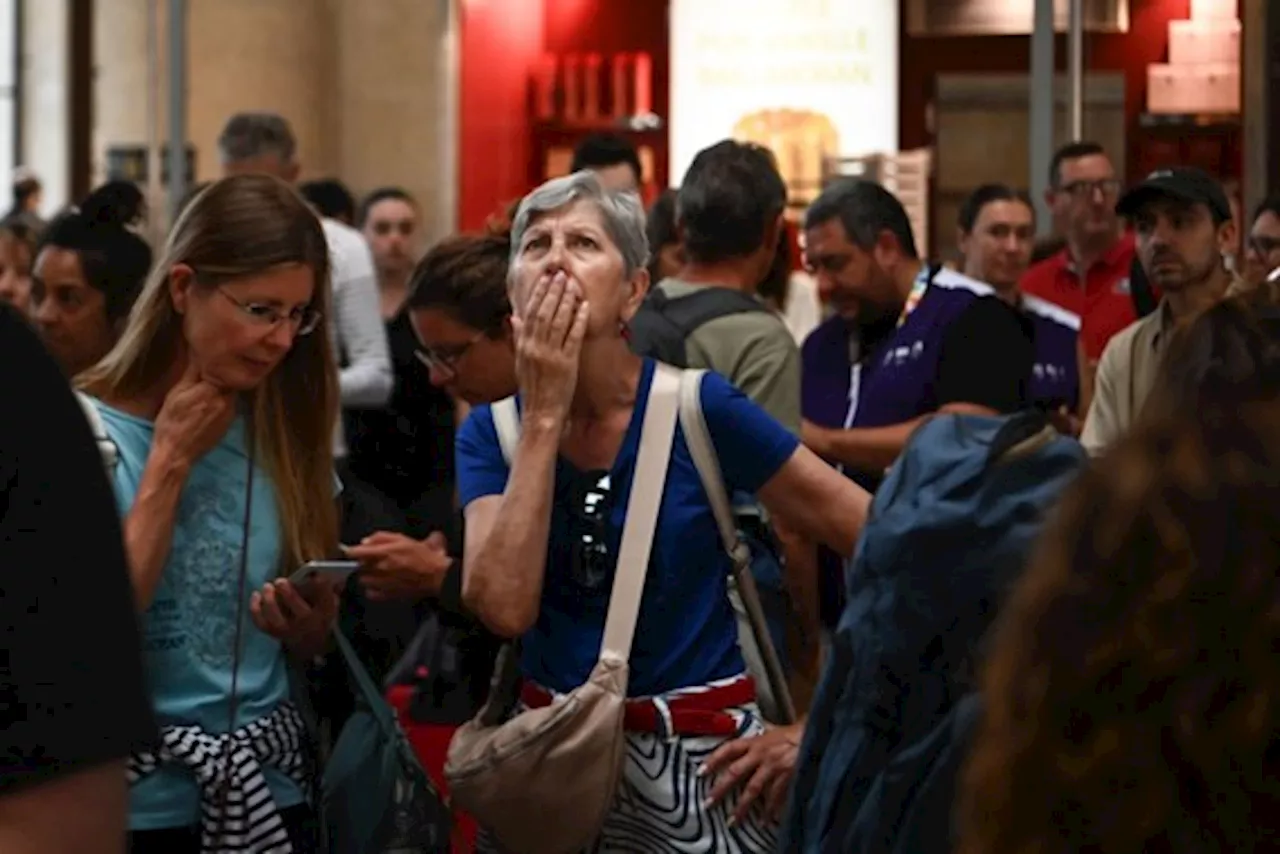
393,291
608,376
148,403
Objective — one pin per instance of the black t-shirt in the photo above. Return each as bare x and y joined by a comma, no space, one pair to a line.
71,681
405,448
987,358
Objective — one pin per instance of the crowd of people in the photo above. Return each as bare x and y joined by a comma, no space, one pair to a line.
294,377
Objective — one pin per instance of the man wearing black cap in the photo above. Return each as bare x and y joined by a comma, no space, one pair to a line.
1184,227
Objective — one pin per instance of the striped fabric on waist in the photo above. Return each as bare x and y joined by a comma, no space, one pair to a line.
238,813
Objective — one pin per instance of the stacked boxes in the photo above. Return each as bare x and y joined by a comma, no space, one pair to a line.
905,174
1203,72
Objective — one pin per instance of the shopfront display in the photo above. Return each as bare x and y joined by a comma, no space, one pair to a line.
813,80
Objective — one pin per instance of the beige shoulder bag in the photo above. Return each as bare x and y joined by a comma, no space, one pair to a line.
544,781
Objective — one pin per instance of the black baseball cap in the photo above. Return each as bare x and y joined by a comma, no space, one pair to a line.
1184,183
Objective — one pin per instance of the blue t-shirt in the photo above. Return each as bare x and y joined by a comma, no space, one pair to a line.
686,634
189,629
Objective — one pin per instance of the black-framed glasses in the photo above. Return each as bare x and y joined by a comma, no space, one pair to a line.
591,503
445,361
1108,187
1263,245
303,319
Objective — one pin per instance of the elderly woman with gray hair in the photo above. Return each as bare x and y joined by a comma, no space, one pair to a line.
543,533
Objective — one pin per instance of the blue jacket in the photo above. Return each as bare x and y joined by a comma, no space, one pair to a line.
948,531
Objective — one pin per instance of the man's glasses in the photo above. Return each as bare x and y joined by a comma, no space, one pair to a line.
1262,245
303,319
1108,187
445,361
591,503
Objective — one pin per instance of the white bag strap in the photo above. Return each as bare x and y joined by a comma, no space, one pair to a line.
106,447
698,439
647,486
506,420
693,423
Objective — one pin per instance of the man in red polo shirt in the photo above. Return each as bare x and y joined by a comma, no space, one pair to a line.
1090,277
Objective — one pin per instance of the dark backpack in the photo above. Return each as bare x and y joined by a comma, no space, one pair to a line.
659,330
662,324
948,530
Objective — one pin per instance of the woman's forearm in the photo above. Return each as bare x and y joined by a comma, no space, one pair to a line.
148,527
309,644
502,579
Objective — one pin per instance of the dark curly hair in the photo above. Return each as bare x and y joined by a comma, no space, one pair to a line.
114,259
465,276
1132,690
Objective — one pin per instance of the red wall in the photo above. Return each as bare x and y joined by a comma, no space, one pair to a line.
922,59
499,40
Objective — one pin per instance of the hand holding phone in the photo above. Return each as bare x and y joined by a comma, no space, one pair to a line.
395,566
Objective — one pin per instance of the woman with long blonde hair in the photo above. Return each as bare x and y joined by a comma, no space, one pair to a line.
221,405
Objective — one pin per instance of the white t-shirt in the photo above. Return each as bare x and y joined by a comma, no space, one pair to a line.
355,325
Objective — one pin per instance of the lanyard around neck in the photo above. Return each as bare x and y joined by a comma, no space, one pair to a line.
917,293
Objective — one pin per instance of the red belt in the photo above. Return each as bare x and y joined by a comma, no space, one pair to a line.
697,713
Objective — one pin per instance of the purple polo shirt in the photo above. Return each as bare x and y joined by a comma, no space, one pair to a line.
827,360
892,384
1055,378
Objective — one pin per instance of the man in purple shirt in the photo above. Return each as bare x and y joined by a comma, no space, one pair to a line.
996,229
929,339
906,341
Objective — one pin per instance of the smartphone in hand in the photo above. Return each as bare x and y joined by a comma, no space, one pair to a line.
332,573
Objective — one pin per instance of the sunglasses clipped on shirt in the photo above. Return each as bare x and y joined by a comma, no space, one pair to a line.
591,503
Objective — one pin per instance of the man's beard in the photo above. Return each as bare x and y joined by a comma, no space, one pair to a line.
876,323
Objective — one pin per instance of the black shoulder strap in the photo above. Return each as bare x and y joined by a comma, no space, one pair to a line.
689,312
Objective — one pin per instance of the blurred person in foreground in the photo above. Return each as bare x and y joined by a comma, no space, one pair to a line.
73,704
1131,692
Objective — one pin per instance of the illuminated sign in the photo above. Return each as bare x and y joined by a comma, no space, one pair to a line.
809,78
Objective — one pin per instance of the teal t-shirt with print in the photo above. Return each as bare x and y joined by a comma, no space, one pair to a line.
189,629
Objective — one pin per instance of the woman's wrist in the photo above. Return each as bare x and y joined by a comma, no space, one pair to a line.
310,642
168,462
549,425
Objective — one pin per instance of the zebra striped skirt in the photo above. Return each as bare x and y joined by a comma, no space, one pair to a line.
660,807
